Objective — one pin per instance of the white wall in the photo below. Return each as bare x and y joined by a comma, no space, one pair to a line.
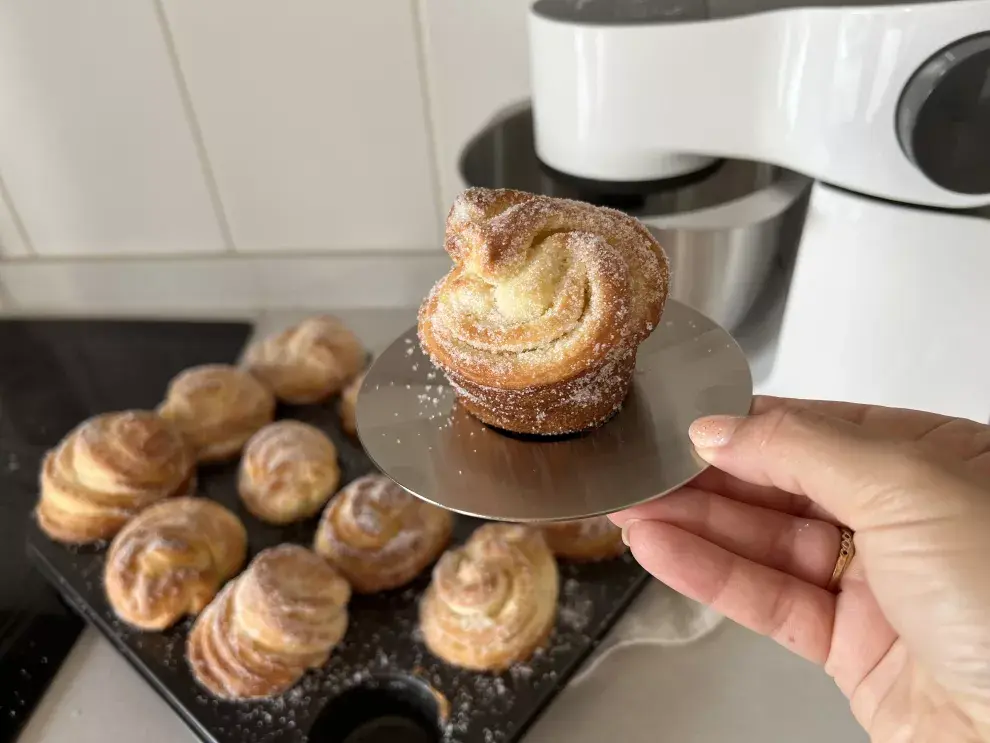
184,156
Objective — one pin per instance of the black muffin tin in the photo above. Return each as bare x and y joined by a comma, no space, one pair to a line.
381,683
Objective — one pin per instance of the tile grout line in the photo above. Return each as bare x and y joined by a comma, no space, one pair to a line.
422,64
16,217
197,133
290,255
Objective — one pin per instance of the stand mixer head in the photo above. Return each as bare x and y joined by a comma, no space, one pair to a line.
886,105
882,98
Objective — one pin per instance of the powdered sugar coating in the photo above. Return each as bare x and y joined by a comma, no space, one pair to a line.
379,536
493,601
282,616
308,362
544,291
171,559
288,472
108,469
217,408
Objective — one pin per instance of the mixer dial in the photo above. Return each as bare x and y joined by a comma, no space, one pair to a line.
943,119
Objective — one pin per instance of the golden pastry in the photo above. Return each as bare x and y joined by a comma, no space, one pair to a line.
586,540
288,472
171,559
348,405
538,324
309,362
493,601
379,536
217,408
107,470
266,628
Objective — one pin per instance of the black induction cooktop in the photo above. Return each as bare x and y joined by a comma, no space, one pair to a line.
54,374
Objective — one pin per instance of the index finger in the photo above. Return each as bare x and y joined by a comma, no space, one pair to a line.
958,439
862,478
948,437
767,496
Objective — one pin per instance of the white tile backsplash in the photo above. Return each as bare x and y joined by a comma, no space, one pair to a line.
95,148
138,137
13,240
313,116
477,56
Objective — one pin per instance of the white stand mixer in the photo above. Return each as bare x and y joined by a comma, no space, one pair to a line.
885,104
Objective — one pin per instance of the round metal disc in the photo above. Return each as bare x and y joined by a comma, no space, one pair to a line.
411,426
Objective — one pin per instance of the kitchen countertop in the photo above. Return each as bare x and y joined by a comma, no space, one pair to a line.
731,685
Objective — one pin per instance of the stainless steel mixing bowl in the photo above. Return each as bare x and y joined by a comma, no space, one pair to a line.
723,228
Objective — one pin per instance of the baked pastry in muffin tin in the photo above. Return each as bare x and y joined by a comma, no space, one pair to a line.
107,470
379,536
217,408
493,601
585,540
281,617
171,559
288,472
309,362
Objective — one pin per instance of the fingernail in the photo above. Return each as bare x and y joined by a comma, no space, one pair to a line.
713,432
625,530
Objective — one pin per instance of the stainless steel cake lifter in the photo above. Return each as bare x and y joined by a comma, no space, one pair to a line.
412,428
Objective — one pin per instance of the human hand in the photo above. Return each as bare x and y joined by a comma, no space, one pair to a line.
907,636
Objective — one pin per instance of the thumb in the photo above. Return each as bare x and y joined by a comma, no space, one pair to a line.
865,481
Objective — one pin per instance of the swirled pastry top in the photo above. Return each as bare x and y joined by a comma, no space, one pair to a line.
542,290
217,407
288,471
282,616
308,362
292,602
379,536
493,601
107,470
171,559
